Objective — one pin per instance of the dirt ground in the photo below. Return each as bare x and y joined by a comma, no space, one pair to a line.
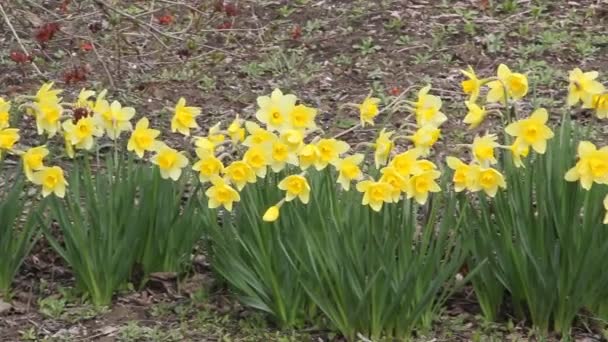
221,55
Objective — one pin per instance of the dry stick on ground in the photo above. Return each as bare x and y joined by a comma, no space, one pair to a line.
105,67
8,23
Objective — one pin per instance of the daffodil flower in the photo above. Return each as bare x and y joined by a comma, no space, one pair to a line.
274,110
583,86
143,138
295,186
52,181
533,131
184,117
170,162
348,170
375,194
33,160
239,173
221,194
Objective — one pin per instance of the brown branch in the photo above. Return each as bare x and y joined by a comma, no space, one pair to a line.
10,25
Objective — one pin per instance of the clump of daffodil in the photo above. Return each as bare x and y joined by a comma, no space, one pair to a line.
599,103
184,117
329,152
5,107
533,131
475,115
368,110
274,110
33,160
349,170
428,109
483,149
221,194
383,147
592,165
236,131
303,117
143,138
52,181
240,173
114,118
295,186
8,138
472,86
424,138
583,86
208,166
375,193
511,84
170,162
82,134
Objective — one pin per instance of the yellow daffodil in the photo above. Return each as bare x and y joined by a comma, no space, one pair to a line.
8,139
303,118
488,180
329,152
33,160
475,115
533,130
375,194
463,173
599,102
274,110
583,86
221,194
47,94
169,161
143,138
5,107
258,160
48,113
84,99
272,214
257,135
203,143
348,170
368,110
382,148
114,118
472,86
424,138
424,165
236,131
82,134
280,155
405,163
513,84
52,181
239,173
295,186
308,156
518,150
483,149
208,166
398,182
428,109
592,165
420,185
215,134
184,118
293,138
